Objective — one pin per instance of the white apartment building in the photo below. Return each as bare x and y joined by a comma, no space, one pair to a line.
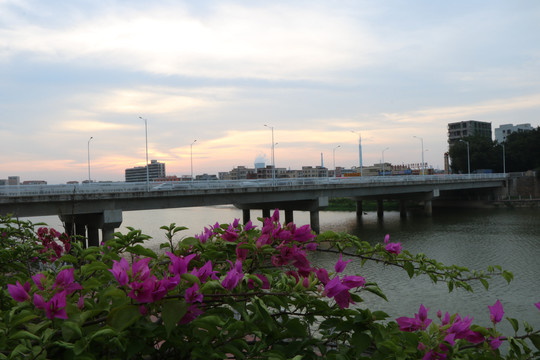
504,130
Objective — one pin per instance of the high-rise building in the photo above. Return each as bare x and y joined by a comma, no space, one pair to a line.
504,130
138,174
463,129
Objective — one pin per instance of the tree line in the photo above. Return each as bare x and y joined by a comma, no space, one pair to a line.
521,152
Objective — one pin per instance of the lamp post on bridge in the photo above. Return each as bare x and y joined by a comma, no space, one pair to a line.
146,137
192,159
503,156
89,178
383,173
359,150
468,157
423,164
273,158
334,157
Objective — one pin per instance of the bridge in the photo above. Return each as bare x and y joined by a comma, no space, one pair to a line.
88,208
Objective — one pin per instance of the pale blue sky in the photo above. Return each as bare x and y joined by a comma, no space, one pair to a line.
217,71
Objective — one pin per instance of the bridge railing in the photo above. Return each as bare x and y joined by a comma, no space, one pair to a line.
120,187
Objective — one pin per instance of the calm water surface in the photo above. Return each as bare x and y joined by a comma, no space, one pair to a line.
470,238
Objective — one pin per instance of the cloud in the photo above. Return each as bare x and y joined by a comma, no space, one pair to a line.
466,112
272,41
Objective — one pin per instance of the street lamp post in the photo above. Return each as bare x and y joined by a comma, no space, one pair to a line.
146,137
273,158
468,157
383,173
359,149
423,163
192,158
89,178
334,157
504,159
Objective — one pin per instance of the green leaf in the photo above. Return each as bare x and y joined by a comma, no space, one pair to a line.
514,323
93,267
172,312
361,342
191,241
123,316
409,267
508,276
192,279
480,329
71,331
535,339
104,333
485,283
141,251
23,334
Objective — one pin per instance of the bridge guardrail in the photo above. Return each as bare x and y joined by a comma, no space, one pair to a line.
121,187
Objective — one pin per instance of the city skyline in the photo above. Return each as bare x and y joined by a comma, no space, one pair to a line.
225,73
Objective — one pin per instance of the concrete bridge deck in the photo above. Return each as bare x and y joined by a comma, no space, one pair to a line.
99,205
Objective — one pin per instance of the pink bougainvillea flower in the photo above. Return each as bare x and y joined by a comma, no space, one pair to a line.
303,234
80,303
179,265
241,253
192,313
64,281
353,281
140,270
54,308
496,312
249,226
143,291
422,316
334,287
192,294
275,216
265,283
340,265
393,248
230,235
206,272
419,322
39,280
120,271
408,324
235,223
495,342
234,276
322,275
537,305
19,292
387,238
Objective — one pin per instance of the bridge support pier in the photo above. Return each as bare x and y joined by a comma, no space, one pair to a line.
314,221
313,206
380,208
245,216
402,209
428,209
88,225
359,208
289,216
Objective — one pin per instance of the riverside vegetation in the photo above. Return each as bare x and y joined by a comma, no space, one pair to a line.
233,291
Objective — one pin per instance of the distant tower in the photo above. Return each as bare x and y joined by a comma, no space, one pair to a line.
260,162
322,162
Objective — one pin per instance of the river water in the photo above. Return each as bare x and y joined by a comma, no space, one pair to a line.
471,238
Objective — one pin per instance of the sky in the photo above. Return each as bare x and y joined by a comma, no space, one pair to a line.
77,79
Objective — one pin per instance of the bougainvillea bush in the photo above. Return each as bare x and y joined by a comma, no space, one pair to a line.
233,291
